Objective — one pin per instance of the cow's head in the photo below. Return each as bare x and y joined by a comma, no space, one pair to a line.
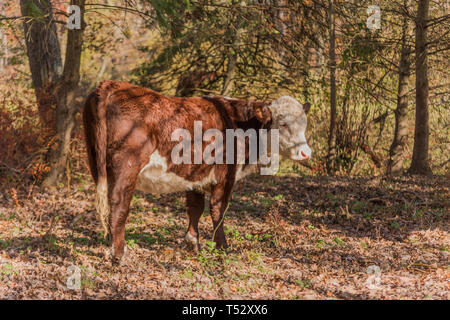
289,117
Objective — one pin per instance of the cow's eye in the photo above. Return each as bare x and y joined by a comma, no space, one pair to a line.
284,125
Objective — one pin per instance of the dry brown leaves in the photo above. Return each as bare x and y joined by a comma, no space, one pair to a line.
291,237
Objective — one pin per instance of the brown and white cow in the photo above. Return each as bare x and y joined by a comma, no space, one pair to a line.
128,132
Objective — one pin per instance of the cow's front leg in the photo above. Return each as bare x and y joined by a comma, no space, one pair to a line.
218,205
195,203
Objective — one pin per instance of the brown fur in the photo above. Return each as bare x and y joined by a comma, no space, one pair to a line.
124,124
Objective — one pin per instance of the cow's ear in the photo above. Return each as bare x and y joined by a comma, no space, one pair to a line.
262,111
306,107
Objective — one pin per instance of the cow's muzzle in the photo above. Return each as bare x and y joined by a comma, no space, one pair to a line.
302,153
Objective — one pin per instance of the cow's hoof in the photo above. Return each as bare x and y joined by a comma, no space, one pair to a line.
117,260
222,246
192,242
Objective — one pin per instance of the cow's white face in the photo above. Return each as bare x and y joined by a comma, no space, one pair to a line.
289,117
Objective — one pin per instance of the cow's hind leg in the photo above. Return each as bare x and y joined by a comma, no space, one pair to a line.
195,203
121,193
218,206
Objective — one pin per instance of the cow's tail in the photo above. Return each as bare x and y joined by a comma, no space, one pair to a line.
94,118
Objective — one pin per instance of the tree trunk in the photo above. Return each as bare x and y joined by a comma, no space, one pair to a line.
333,113
228,83
233,54
44,54
399,143
66,107
420,161
231,72
280,16
4,40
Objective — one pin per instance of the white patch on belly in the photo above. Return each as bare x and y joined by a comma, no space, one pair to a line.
154,178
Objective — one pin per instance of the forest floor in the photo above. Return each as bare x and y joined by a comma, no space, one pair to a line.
290,237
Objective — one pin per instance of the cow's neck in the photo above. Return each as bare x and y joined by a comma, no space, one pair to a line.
253,123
